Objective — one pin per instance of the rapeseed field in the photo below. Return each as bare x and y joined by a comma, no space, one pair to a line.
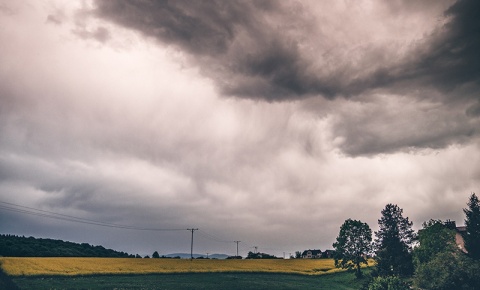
104,266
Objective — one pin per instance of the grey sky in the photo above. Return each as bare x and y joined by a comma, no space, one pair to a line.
268,122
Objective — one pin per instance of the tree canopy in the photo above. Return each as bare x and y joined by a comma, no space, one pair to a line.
353,245
393,243
439,264
433,239
252,255
472,224
15,246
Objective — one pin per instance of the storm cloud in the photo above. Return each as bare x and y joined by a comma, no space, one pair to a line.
284,51
251,120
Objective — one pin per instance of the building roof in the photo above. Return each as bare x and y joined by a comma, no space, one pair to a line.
461,229
314,252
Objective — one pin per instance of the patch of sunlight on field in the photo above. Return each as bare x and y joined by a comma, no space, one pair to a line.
94,266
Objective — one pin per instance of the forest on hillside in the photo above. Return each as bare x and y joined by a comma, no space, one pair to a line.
20,246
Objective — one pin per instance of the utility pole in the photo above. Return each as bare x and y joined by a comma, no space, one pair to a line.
191,247
237,245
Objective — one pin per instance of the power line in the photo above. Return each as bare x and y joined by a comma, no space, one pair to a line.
213,237
63,217
48,214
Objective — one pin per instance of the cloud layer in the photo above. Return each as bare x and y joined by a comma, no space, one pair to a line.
289,50
262,121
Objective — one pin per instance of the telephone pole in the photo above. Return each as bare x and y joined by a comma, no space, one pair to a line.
237,245
191,246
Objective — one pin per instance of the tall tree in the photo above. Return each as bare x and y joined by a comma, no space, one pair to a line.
393,243
472,223
354,243
435,238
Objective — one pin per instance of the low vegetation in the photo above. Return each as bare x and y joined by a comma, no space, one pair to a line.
191,281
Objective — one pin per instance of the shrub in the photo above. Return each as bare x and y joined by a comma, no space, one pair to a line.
388,283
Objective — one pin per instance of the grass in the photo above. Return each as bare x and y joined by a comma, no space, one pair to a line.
213,281
95,266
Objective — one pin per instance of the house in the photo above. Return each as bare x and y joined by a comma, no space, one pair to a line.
312,254
328,254
459,232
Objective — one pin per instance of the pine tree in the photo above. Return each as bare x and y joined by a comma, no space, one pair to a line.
472,223
393,243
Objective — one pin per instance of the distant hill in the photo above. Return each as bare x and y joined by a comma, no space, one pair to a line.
195,256
16,246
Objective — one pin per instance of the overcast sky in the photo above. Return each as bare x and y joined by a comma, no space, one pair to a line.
267,122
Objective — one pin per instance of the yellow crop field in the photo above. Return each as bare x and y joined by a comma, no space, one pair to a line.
94,266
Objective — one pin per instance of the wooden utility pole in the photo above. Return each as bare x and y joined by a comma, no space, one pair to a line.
191,246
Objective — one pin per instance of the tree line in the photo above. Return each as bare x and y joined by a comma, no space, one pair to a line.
21,246
404,259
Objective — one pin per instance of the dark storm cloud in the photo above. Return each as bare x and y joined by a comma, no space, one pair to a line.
251,48
457,61
277,50
382,127
451,58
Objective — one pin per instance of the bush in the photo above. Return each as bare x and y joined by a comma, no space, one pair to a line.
388,283
448,271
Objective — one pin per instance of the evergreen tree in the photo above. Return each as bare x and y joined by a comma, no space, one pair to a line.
472,223
393,243
354,243
155,255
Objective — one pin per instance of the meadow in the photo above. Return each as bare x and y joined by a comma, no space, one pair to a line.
211,281
130,273
124,266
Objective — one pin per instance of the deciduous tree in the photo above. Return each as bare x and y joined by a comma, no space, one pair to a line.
438,262
298,254
354,243
433,239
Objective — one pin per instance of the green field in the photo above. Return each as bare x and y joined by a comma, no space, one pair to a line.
118,273
193,281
